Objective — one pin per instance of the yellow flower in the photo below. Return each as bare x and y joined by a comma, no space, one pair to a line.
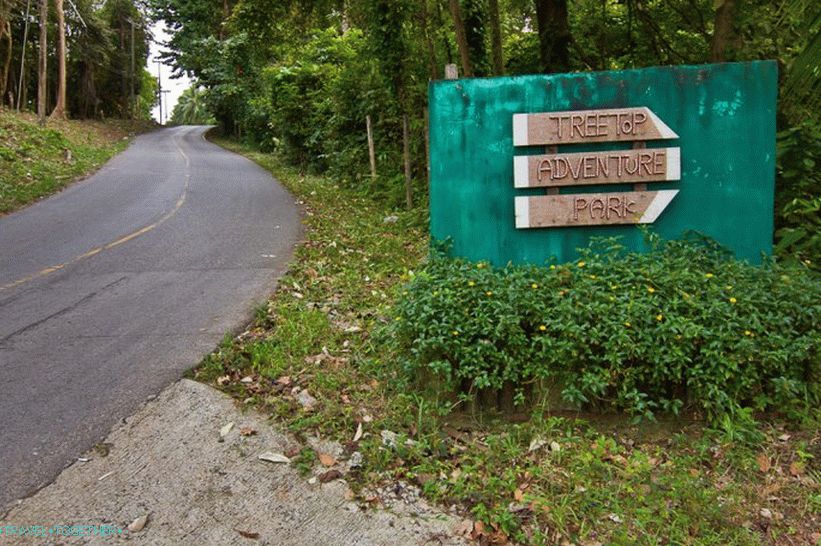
542,328
593,277
709,275
581,264
455,332
534,286
552,266
733,300
397,319
480,266
650,289
471,283
748,333
659,317
488,293
627,324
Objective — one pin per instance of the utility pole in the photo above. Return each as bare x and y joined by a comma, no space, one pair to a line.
159,86
132,103
23,57
163,94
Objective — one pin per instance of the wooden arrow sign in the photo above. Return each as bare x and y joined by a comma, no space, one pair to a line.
585,168
579,126
591,209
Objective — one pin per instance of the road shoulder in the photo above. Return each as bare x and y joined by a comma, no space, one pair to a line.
170,462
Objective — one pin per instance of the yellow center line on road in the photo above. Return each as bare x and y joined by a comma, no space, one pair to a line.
117,242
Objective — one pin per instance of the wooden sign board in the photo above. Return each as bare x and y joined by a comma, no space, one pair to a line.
591,209
639,165
585,168
584,126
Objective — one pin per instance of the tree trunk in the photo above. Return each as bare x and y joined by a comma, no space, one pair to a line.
5,30
461,38
42,73
554,35
723,32
496,38
60,107
424,20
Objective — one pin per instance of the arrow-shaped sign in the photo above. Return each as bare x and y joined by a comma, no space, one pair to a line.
585,168
589,209
573,127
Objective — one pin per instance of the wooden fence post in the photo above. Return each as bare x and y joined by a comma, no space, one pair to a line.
427,146
371,149
406,149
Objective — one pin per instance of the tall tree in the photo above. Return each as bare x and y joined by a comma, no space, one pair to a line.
5,60
496,37
473,19
60,107
461,38
42,67
6,46
554,35
723,30
424,23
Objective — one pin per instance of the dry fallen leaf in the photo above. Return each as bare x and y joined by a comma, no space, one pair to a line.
518,495
138,524
478,530
247,431
763,462
464,528
274,457
223,380
358,435
247,534
536,444
326,460
796,468
226,429
330,476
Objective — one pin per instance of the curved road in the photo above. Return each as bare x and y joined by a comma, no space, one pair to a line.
111,289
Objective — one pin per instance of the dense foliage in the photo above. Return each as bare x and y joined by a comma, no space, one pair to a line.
99,45
682,326
301,77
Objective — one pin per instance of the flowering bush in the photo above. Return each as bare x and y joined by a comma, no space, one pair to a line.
683,325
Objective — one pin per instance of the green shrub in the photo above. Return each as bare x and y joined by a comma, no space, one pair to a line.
798,202
683,325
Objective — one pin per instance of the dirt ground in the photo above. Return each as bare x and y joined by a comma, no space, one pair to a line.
177,463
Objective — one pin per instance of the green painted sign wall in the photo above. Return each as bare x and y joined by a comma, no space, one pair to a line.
724,116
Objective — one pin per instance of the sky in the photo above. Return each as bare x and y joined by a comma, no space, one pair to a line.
175,86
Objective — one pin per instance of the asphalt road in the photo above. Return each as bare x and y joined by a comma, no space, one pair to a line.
113,288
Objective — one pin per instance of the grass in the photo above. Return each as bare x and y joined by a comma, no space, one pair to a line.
34,161
541,478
